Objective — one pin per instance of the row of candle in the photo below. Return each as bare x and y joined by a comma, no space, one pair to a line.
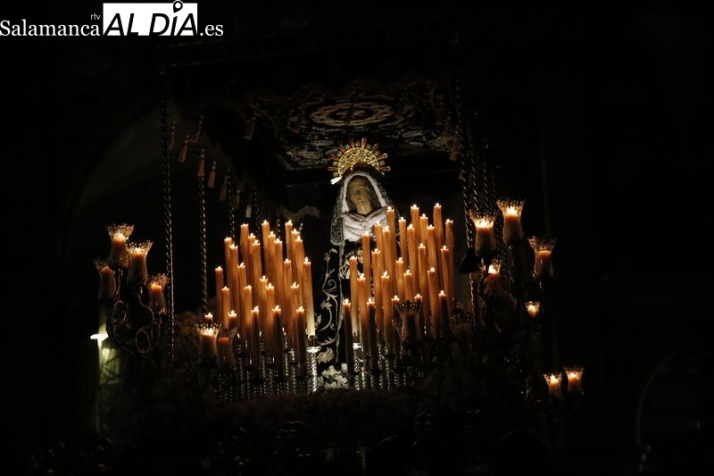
573,375
264,292
416,268
511,211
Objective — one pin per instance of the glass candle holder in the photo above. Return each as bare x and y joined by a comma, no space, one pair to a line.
157,300
543,249
118,253
138,272
574,376
485,235
511,211
208,334
224,349
532,308
554,380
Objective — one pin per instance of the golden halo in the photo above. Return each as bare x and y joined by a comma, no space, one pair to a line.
355,155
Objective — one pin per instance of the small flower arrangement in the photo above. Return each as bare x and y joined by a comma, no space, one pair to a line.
333,378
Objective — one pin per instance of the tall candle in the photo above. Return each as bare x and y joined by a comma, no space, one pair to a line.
363,311
449,236
434,304
219,285
431,248
378,235
412,245
246,309
233,279
354,275
372,331
403,244
225,310
438,226
288,235
348,333
422,287
301,337
244,239
409,292
390,251
400,268
307,297
391,217
386,306
377,288
414,215
447,278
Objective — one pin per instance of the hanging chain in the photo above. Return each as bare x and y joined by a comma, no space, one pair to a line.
168,224
467,166
200,176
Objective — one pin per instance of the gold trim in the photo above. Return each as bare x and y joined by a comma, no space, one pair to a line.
356,155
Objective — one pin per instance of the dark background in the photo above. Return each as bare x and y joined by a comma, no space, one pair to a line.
614,108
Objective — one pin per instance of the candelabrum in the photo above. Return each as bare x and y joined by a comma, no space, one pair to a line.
133,301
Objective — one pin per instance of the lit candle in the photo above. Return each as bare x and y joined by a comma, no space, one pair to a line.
157,301
138,272
414,215
232,319
532,308
118,254
377,288
301,337
431,248
207,331
554,381
400,269
219,286
485,237
390,251
449,236
574,377
447,279
409,285
421,284
348,333
403,244
412,249
391,216
438,226
543,264
434,304
511,210
225,310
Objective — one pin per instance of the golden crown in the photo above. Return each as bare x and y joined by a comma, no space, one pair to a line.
355,155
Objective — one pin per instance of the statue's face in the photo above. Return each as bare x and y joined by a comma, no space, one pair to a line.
359,193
